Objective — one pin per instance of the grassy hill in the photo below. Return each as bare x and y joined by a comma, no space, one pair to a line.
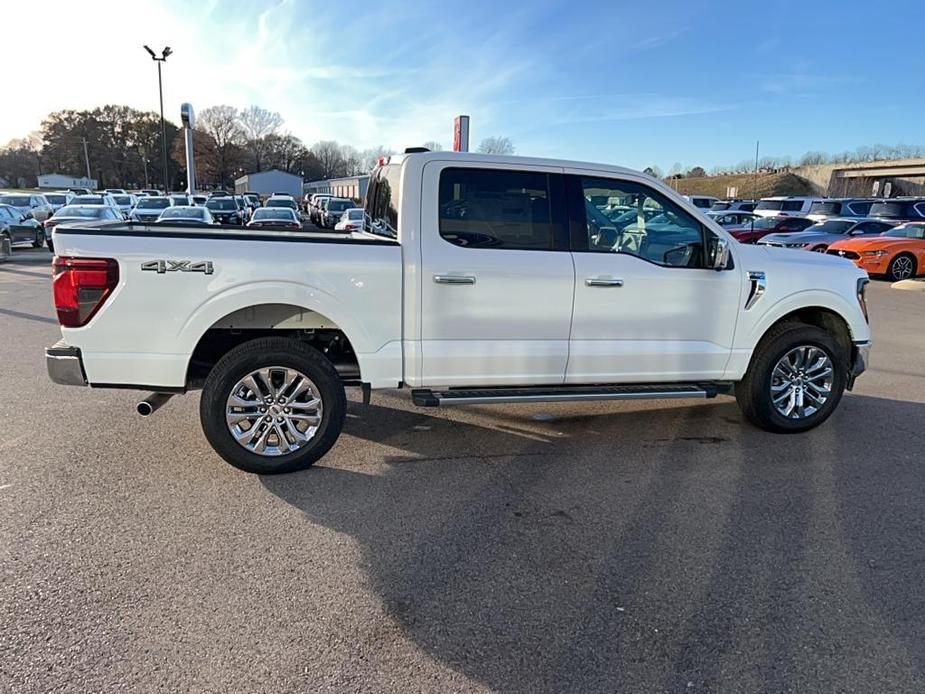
768,184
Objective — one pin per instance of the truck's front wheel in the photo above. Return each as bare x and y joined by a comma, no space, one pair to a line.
795,380
272,405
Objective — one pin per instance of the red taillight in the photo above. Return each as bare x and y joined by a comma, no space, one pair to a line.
81,286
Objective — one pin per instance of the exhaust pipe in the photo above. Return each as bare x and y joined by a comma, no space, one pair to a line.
152,403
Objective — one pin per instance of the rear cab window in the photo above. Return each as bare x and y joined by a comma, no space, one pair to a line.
792,205
829,208
769,205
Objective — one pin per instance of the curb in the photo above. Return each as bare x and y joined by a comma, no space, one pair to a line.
910,285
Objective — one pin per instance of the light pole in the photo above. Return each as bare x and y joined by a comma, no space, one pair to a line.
160,88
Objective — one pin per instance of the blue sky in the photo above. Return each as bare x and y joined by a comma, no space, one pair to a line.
627,83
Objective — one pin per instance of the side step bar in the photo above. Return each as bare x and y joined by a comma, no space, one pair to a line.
426,397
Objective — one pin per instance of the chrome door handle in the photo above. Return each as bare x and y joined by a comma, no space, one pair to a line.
454,279
604,282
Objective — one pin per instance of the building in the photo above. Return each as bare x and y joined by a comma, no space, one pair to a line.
353,187
56,181
269,182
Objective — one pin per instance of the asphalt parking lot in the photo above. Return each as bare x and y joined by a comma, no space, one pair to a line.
660,546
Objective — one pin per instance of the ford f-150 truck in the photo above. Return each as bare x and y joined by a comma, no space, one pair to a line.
477,279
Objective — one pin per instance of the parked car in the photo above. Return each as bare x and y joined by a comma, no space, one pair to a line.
150,192
125,203
333,209
180,199
735,220
73,214
245,206
199,200
899,209
784,206
898,254
59,199
762,226
253,200
282,201
314,215
702,202
33,205
275,218
186,214
467,288
80,191
94,199
350,220
821,235
225,209
733,205
116,191
18,228
148,209
840,207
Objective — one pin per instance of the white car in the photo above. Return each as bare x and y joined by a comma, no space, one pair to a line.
475,282
125,202
702,202
350,220
59,199
785,206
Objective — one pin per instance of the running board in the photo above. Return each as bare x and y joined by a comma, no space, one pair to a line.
486,396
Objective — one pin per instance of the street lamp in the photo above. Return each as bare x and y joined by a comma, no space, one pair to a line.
160,88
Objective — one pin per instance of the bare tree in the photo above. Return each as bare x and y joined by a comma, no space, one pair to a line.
433,146
257,123
220,123
496,145
370,157
329,158
696,172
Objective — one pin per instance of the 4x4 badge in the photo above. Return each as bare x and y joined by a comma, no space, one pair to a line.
163,266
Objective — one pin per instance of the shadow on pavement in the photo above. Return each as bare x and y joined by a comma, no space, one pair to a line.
655,549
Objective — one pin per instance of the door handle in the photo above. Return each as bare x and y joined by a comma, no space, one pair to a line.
604,282
454,279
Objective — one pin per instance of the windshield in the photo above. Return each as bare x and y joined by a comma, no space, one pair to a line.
56,199
769,205
15,200
222,204
182,213
355,214
83,212
764,222
153,204
179,200
278,213
280,202
122,199
832,226
339,205
907,231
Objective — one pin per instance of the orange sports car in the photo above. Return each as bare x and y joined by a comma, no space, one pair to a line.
898,253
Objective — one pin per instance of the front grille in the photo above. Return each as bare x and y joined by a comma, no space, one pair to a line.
850,255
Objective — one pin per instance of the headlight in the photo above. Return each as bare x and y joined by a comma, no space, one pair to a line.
875,254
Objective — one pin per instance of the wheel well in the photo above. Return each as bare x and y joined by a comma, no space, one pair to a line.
823,318
273,320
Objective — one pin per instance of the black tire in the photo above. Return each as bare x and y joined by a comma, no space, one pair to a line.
895,274
256,354
39,240
753,393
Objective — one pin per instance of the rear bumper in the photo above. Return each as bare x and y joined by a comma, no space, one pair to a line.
860,357
65,366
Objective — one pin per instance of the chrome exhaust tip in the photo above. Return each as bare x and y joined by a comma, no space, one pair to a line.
152,403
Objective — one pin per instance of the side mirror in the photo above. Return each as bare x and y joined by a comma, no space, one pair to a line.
719,256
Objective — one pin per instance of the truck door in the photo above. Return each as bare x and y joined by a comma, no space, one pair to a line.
497,278
647,308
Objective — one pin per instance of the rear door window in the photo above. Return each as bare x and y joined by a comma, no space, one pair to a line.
493,208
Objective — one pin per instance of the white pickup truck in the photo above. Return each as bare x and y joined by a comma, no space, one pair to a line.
478,279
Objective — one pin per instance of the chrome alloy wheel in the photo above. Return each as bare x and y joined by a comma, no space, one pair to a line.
902,267
801,382
274,411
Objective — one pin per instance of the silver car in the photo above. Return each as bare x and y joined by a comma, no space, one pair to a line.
821,235
33,205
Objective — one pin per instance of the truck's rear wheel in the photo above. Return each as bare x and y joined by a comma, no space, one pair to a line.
795,381
272,405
